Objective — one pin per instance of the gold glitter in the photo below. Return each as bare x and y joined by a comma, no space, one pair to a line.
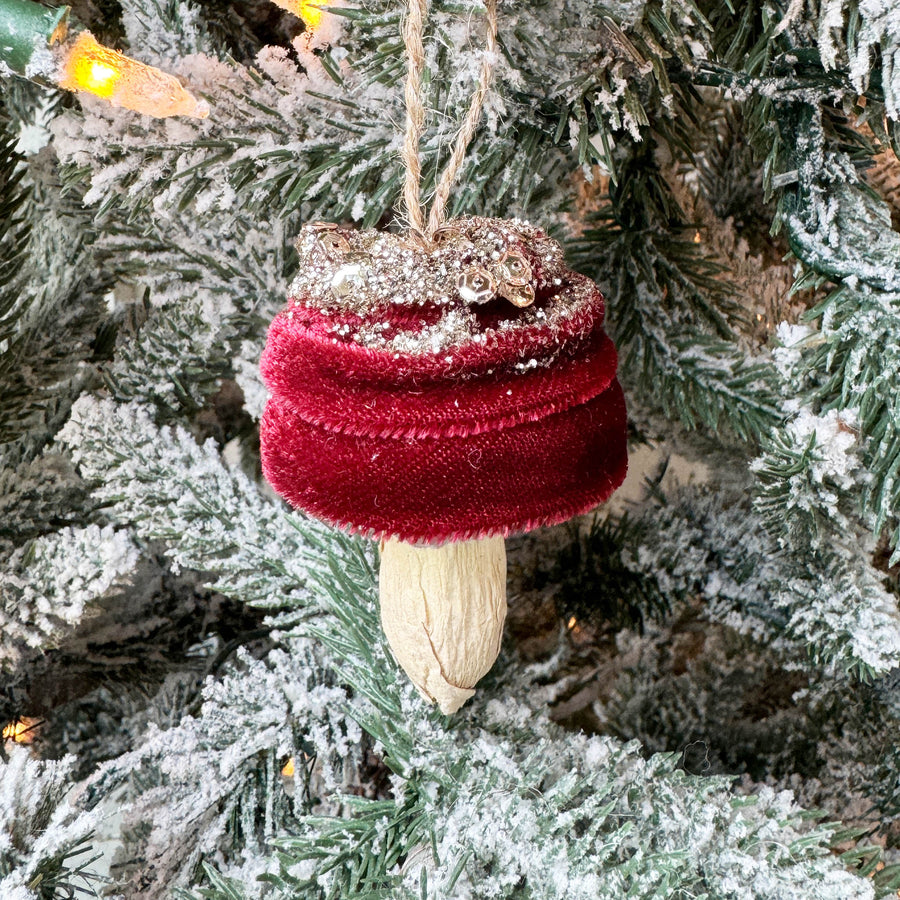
514,269
476,285
402,271
520,296
333,244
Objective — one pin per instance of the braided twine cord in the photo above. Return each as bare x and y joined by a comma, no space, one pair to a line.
413,29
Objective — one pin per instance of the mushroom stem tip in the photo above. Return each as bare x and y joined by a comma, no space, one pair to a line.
442,610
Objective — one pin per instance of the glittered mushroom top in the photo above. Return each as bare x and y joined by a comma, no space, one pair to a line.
441,390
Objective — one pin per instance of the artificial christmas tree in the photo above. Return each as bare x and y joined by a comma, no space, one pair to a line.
211,707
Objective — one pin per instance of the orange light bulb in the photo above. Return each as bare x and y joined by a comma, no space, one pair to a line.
96,77
22,731
310,11
91,67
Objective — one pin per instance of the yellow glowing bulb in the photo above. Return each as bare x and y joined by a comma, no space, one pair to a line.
12,731
21,731
97,77
91,67
311,13
697,238
288,770
572,623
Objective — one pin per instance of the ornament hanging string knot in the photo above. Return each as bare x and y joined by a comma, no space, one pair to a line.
413,29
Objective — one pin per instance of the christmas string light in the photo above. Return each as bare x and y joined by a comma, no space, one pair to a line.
310,11
91,67
23,730
35,44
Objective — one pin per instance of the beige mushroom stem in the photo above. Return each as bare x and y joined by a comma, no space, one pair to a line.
442,609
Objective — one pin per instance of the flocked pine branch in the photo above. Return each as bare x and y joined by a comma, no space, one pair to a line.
203,304
51,312
565,797
814,491
168,488
52,580
211,785
45,849
728,587
582,807
259,150
57,315
848,368
864,39
831,606
839,232
673,321
37,496
14,233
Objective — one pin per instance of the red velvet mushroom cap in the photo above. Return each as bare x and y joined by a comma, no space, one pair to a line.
442,391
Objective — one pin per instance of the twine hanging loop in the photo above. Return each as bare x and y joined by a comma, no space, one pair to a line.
413,30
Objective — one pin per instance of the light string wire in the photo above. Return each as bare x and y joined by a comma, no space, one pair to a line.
413,29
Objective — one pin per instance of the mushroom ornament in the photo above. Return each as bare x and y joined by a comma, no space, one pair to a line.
438,395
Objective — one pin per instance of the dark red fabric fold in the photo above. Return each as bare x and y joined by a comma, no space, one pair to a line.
437,489
297,364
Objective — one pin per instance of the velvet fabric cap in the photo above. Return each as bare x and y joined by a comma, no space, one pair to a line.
441,391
